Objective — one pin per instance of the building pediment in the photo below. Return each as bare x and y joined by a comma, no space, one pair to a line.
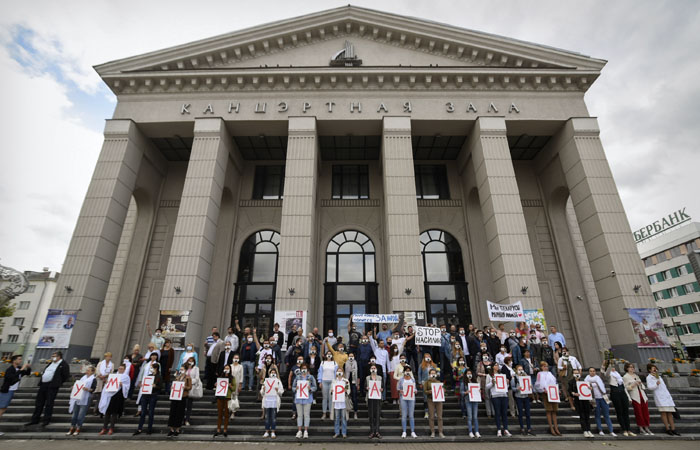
385,46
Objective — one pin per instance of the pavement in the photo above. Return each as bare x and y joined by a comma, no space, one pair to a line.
598,444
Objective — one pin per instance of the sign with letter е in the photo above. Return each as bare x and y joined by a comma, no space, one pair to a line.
147,385
525,385
438,392
553,393
177,390
221,387
429,336
584,390
474,390
302,389
375,391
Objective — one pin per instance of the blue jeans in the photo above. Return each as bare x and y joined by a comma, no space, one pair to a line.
270,419
472,415
600,404
500,406
407,408
341,421
524,407
249,372
148,406
79,412
327,397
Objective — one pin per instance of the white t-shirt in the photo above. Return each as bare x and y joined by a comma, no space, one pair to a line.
328,368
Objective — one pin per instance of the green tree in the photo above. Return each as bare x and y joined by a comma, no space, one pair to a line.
6,310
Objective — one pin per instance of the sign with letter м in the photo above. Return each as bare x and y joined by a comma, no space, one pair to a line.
112,384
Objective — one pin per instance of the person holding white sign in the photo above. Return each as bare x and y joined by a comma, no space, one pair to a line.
223,389
303,387
112,400
271,392
373,386
436,397
340,389
469,383
179,392
601,405
522,389
582,402
407,392
80,398
151,385
546,382
497,384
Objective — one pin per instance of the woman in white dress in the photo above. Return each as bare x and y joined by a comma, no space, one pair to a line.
662,398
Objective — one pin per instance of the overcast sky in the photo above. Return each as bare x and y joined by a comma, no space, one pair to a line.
53,104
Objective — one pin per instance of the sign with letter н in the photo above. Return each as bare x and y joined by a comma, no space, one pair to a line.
553,393
474,390
302,389
505,312
500,382
409,390
177,390
584,390
429,336
112,384
375,391
438,392
221,387
525,385
147,385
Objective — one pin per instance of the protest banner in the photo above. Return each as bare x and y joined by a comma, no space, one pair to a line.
505,312
375,318
429,336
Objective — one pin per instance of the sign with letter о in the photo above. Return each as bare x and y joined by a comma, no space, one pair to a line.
500,382
177,390
221,387
584,390
525,385
112,384
302,390
374,390
474,391
438,392
553,393
147,385
429,336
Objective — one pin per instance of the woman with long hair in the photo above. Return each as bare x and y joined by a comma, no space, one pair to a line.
177,407
619,397
662,398
393,362
545,378
80,404
271,392
112,403
472,407
499,400
148,401
434,408
640,402
423,372
197,391
222,402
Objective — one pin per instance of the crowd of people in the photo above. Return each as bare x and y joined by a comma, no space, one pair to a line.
371,367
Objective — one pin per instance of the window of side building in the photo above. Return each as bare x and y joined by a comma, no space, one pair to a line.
23,305
350,181
675,251
18,321
12,338
431,182
269,182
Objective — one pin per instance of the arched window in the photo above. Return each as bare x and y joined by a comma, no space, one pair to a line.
350,286
254,296
445,285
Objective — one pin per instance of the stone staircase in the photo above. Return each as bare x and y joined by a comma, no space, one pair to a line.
248,425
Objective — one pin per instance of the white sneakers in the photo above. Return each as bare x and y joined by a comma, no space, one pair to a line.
306,434
471,435
602,433
272,435
413,435
499,434
403,435
477,434
587,434
267,434
507,433
612,433
299,434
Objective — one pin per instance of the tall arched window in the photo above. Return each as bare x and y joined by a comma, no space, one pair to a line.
350,286
445,287
254,295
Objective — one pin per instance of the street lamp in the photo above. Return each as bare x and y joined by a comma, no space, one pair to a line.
679,343
25,339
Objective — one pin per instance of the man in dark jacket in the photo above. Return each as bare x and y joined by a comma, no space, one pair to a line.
10,383
53,376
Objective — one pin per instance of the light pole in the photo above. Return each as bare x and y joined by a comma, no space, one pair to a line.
679,343
25,340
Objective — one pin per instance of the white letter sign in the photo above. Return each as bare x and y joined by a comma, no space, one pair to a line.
177,390
375,392
501,382
77,390
584,390
409,390
302,389
112,383
338,392
474,390
525,385
270,387
553,393
438,392
221,387
147,385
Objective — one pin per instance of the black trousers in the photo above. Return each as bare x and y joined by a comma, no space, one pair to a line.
622,406
374,408
583,409
210,369
44,402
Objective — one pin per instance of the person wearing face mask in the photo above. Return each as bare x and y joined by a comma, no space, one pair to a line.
329,341
133,370
662,399
314,362
104,368
79,406
53,376
472,407
167,358
397,375
493,342
271,392
326,374
264,372
618,395
519,350
232,339
458,373
411,349
508,368
354,336
339,356
393,366
112,403
565,366
363,354
499,400
381,356
406,384
294,352
148,401
374,406
352,375
225,359
311,344
501,355
445,356
545,378
223,402
423,374
434,408
583,407
512,341
384,334
601,405
157,336
187,354
249,350
213,353
482,370
237,374
145,371
177,407
340,404
197,391
457,352
522,401
640,401
303,405
293,373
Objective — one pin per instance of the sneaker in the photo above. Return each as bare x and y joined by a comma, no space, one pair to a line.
624,433
414,435
403,435
471,435
629,433
306,434
499,434
612,433
187,423
267,434
602,433
299,434
477,435
432,434
506,433
335,436
585,434
649,432
272,435
441,435
425,416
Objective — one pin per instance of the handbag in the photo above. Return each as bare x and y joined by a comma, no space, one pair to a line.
197,389
233,404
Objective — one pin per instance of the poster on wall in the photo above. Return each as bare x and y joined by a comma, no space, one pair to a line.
58,328
287,319
174,326
533,317
413,318
648,327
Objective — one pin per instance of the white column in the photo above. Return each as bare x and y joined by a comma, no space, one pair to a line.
298,228
402,243
93,248
510,255
192,249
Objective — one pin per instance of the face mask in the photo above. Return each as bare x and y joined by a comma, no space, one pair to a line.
312,353
461,363
483,349
493,334
452,340
458,347
511,334
273,375
396,336
443,331
300,362
153,371
372,361
126,361
520,372
266,345
576,375
461,332
157,334
339,374
565,354
268,361
470,376
428,359
226,372
228,349
403,361
433,375
341,349
329,357
363,341
235,360
480,336
182,371
189,349
396,352
354,328
250,339
373,370
503,350
407,374
330,334
303,371
54,359
351,358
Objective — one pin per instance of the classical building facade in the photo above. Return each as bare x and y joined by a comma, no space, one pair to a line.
352,161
